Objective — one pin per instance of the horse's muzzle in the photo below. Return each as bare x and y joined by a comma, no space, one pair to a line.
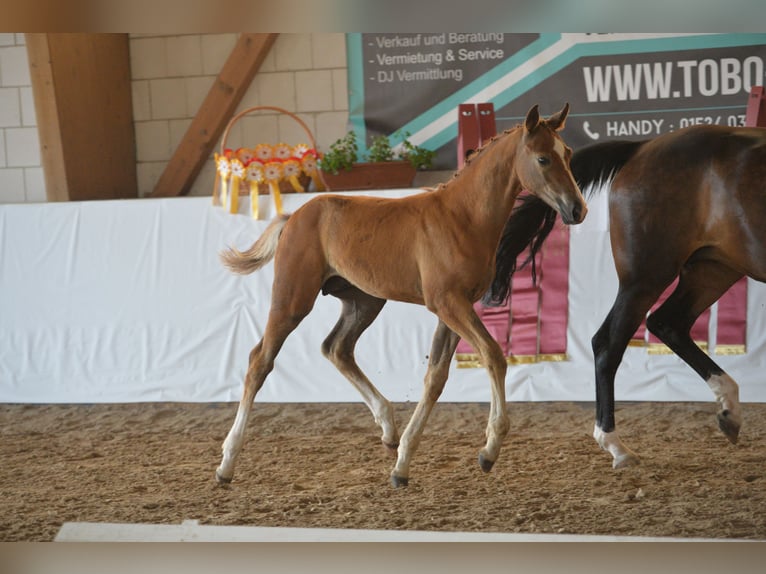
574,213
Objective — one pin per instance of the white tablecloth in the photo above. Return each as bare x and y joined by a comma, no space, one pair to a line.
124,301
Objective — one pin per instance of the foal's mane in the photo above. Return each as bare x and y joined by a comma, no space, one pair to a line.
477,152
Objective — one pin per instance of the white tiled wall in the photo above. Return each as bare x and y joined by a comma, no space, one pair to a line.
21,177
303,73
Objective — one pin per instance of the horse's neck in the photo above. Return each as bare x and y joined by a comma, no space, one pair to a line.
486,188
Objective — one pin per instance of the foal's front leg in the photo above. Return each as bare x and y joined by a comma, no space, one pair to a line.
443,347
459,314
456,315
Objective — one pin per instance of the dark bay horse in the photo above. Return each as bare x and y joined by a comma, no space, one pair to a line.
689,204
436,248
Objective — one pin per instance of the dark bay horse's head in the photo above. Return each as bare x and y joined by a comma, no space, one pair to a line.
542,165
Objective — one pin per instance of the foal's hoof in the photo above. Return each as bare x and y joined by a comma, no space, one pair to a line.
222,480
729,427
485,464
398,481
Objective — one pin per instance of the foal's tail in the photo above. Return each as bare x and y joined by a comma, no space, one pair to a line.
532,220
262,251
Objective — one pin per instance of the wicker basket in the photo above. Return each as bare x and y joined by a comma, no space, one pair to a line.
284,186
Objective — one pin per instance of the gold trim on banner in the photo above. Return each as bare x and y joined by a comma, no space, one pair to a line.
658,349
553,358
637,343
662,349
467,361
730,349
522,359
471,360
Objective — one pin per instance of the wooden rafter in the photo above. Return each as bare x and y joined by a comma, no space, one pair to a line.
81,88
218,107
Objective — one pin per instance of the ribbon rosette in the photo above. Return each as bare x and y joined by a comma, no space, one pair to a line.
292,170
264,164
282,151
309,166
245,155
237,175
254,176
223,170
263,152
300,150
272,172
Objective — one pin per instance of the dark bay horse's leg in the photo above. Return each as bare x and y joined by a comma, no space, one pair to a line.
291,301
609,344
358,312
700,284
442,348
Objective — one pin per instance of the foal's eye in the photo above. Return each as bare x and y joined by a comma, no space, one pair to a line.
543,160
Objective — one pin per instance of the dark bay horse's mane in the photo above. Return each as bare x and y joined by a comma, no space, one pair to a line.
532,220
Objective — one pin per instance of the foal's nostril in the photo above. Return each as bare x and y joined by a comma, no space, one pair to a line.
576,212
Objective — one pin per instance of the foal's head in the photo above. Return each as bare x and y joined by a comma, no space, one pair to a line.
542,165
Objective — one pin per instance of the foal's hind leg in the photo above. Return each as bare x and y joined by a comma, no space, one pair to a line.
443,347
291,302
358,312
701,283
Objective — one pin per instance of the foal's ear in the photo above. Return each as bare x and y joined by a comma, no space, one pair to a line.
559,120
532,119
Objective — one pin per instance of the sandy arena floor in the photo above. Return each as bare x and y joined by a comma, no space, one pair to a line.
322,465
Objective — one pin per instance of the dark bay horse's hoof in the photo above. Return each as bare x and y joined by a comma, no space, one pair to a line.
729,427
222,480
485,464
626,460
398,481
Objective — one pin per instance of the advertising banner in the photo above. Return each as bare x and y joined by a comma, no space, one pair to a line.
619,86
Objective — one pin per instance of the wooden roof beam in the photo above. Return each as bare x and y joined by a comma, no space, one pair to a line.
82,98
215,112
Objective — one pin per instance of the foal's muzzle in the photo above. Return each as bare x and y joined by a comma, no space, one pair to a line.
572,213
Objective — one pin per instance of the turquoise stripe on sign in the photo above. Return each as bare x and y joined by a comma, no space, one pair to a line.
355,82
597,49
469,90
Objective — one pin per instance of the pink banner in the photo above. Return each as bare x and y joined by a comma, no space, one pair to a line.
532,325
525,303
700,331
497,321
554,296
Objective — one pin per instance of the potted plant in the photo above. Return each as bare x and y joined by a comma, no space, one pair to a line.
382,167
